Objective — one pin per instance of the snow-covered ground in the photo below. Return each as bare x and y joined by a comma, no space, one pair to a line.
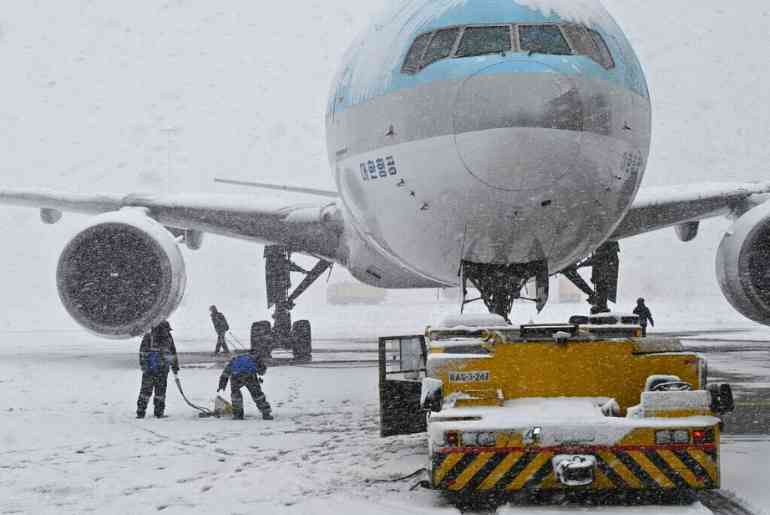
744,464
69,442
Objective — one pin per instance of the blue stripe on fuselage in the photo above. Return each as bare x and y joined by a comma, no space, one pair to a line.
373,66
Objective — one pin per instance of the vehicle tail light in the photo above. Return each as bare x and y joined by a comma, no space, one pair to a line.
701,436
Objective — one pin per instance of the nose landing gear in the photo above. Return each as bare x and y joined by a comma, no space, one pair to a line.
500,285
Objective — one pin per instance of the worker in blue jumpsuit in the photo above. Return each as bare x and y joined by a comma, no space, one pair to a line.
244,370
157,355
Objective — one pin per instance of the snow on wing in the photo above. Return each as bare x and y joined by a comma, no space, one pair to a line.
313,228
666,206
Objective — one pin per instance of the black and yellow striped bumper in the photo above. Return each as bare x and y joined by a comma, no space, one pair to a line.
496,471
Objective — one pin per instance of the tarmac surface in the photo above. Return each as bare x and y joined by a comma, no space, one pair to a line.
746,366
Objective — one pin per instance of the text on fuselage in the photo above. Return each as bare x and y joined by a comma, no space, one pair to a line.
379,168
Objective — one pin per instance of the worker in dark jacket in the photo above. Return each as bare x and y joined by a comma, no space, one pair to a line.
244,370
221,327
157,354
645,316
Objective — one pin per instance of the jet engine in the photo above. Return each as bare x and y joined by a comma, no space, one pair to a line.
743,264
121,275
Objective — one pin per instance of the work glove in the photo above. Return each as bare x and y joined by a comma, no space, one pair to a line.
220,390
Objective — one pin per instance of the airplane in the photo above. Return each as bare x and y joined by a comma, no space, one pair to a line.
472,142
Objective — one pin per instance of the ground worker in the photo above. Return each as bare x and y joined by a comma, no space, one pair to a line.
221,327
244,370
157,354
644,314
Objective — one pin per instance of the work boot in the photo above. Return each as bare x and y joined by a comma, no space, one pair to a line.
238,415
267,416
140,414
160,408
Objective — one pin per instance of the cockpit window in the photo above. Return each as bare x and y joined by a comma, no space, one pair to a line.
543,39
414,57
440,46
548,39
605,56
581,40
484,40
589,43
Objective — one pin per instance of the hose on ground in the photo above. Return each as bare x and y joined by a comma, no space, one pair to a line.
204,412
398,479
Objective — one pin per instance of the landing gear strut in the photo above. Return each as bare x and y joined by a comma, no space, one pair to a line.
605,268
500,285
296,336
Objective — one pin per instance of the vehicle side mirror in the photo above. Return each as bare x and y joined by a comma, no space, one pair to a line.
722,400
432,395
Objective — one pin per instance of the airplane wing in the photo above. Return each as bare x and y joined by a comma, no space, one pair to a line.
280,187
312,228
661,207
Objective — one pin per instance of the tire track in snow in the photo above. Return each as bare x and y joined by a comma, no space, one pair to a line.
725,503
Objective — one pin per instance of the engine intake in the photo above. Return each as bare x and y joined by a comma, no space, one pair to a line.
121,275
743,264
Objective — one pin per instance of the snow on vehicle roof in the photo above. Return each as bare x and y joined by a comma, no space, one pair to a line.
698,399
660,345
453,343
471,322
612,314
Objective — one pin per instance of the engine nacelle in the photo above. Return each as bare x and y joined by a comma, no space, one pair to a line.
743,264
121,275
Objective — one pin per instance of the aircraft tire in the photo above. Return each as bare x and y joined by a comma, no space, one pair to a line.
262,337
303,340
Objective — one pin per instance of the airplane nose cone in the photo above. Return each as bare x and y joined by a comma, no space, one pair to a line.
518,125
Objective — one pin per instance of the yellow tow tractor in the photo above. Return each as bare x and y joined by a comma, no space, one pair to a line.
587,407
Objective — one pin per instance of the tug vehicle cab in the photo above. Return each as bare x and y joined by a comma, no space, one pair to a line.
577,407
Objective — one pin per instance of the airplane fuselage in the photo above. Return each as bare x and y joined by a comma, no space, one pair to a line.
450,144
